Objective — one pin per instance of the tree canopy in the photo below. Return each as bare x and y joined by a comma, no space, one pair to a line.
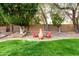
19,14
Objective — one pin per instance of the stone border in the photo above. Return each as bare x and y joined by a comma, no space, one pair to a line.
51,39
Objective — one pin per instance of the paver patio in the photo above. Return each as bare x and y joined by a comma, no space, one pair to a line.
55,36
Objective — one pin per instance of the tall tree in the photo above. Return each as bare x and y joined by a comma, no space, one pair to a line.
21,14
4,19
42,8
57,21
74,15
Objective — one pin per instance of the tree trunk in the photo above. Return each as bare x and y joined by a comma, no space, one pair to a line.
46,27
21,29
7,28
27,29
46,24
75,21
12,29
58,29
77,26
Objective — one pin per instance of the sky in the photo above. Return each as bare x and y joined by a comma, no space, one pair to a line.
67,19
47,9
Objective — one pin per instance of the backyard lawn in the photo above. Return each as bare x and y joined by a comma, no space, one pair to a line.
67,47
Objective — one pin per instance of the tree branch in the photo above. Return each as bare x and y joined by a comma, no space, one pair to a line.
77,6
68,14
77,16
61,7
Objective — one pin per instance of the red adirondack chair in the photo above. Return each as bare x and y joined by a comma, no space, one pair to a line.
48,34
35,34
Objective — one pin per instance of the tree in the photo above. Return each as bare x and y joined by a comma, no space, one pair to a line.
36,20
74,16
3,19
2,22
20,14
57,21
42,8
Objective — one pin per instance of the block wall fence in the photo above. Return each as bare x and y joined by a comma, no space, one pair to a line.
64,28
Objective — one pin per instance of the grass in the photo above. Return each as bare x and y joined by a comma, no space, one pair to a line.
69,47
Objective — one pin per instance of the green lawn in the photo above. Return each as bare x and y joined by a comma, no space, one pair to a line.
44,48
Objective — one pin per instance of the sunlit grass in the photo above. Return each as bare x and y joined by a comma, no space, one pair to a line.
42,48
